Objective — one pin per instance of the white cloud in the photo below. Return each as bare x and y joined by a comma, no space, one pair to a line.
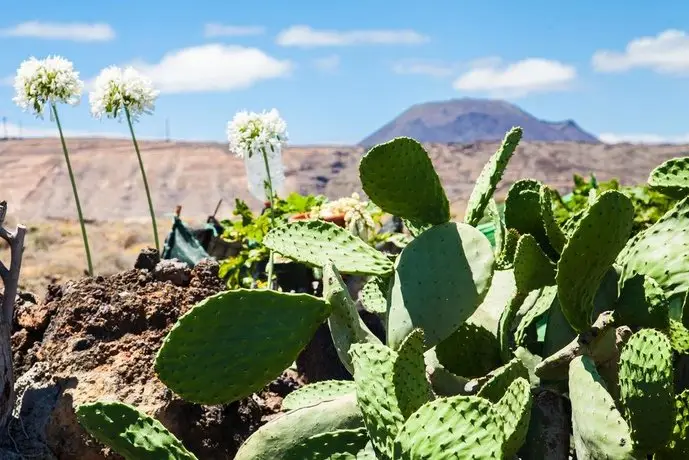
421,67
213,29
213,67
306,36
667,52
14,130
327,63
641,138
516,79
74,31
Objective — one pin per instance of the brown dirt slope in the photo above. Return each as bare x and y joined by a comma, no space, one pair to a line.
33,177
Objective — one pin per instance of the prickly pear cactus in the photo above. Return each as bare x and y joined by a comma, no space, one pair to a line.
315,242
671,177
386,172
130,433
523,213
490,176
317,392
532,268
374,295
471,351
440,279
235,342
647,392
589,254
643,303
514,409
555,235
333,445
678,446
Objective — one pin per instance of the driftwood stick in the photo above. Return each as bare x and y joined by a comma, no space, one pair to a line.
10,281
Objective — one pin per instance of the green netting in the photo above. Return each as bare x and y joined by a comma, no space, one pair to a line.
181,244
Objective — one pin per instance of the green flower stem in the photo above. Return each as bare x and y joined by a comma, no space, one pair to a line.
74,190
272,211
143,175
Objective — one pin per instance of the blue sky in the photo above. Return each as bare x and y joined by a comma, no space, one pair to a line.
339,70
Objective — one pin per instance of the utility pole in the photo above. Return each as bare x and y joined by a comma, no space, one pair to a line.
5,134
167,130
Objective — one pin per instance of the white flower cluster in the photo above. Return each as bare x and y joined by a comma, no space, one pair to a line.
116,88
46,81
358,219
249,133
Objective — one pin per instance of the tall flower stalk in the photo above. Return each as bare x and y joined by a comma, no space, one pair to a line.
258,138
125,93
51,81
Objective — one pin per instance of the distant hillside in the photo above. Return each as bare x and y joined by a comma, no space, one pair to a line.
471,120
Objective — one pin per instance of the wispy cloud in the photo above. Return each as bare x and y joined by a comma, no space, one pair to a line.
213,67
643,138
306,37
74,31
516,79
327,64
667,52
212,30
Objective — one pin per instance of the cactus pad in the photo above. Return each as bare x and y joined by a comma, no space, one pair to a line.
532,268
374,369
346,327
523,212
599,429
642,303
514,408
678,447
499,380
509,249
277,438
412,389
235,342
317,392
374,295
526,329
659,252
555,235
490,176
314,242
440,279
389,170
333,445
679,337
647,389
452,428
590,252
471,351
130,433
671,177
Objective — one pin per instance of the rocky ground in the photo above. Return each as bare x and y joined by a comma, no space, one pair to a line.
95,339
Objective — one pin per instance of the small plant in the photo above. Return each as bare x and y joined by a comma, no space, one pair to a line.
125,93
51,81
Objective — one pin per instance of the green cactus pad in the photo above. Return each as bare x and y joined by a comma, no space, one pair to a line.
471,351
367,453
499,380
555,235
671,177
558,331
647,392
440,279
526,329
412,389
509,249
374,376
679,337
507,319
678,446
490,177
346,326
275,439
451,428
415,228
523,212
589,254
333,445
317,392
493,214
374,295
514,408
532,268
599,429
315,242
642,303
389,170
659,252
130,433
235,342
